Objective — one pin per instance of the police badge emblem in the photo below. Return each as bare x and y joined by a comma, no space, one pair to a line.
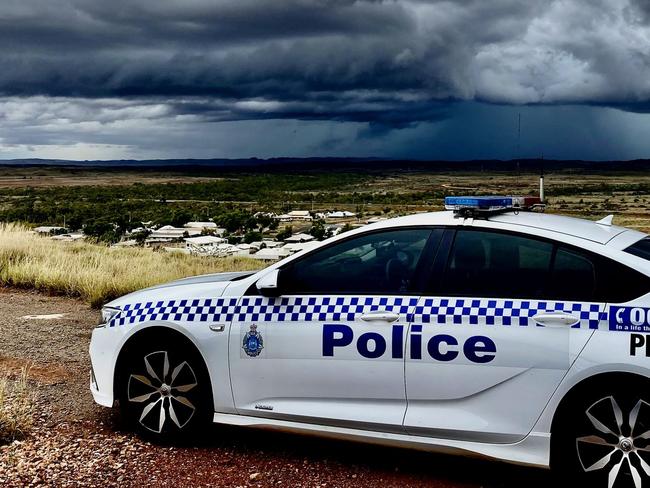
253,342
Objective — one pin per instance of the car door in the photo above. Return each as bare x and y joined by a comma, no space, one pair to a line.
505,317
329,349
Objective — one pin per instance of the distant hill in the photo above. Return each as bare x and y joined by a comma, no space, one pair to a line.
341,164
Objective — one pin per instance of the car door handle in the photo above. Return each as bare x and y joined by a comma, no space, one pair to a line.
555,319
380,316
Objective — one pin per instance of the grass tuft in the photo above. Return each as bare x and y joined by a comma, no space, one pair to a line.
96,273
16,408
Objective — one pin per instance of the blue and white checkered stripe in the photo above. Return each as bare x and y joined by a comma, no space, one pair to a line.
502,312
252,309
301,309
194,310
446,311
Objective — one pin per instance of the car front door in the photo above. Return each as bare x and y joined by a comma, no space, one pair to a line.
330,348
505,318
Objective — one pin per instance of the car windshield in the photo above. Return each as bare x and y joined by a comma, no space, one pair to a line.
640,248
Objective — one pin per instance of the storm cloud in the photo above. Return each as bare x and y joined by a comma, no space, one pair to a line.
386,64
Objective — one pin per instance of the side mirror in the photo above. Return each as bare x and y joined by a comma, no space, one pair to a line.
268,284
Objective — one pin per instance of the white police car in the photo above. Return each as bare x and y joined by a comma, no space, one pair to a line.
519,336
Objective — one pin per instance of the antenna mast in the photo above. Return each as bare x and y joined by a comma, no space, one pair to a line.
541,181
518,144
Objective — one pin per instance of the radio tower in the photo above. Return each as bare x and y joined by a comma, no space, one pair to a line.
518,145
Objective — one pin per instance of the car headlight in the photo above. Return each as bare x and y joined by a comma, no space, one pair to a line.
108,313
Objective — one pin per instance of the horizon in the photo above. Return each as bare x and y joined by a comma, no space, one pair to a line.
315,159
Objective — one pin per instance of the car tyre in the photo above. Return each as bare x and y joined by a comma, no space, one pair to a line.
602,439
164,390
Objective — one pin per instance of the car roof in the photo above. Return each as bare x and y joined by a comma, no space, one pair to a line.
571,226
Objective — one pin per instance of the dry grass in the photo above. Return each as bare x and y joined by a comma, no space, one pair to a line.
93,272
16,408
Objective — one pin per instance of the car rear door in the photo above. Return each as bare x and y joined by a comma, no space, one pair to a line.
490,341
329,350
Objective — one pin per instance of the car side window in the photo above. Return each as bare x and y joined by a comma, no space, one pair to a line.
494,264
618,283
573,277
374,263
640,248
501,265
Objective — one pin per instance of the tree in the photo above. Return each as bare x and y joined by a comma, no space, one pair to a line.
141,237
264,221
180,218
235,220
319,231
252,237
285,233
102,231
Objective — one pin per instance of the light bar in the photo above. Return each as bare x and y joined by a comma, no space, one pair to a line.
490,203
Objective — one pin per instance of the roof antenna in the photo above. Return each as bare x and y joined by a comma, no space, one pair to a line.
606,221
541,181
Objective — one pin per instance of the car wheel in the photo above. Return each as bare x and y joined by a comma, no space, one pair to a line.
165,391
603,439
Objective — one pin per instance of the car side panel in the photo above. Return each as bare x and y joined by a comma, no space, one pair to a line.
296,377
497,396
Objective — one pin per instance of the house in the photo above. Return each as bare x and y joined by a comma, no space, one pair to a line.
72,236
49,229
300,246
295,215
271,244
207,227
341,215
203,241
269,254
299,238
257,245
169,233
200,225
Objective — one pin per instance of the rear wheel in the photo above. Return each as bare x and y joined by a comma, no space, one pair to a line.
164,390
603,439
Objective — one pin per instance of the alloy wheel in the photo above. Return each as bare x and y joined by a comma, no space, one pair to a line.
620,443
163,392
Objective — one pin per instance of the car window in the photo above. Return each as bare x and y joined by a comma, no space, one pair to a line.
493,264
618,283
501,265
640,248
573,277
373,263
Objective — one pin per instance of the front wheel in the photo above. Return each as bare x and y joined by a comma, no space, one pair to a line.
164,390
603,440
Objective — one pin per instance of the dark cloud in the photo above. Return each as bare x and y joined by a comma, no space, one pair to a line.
99,68
309,58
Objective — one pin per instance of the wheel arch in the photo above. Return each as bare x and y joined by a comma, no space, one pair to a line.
156,332
590,383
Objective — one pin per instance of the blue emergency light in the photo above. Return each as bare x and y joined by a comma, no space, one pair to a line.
487,204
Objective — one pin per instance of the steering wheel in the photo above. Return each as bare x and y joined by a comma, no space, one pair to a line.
397,270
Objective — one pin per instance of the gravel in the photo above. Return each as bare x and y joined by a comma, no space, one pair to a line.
77,443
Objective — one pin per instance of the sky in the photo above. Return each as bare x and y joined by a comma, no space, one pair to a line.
420,79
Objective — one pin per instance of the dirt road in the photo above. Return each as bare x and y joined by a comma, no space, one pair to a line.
76,443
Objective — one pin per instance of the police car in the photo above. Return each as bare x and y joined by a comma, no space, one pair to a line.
483,330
